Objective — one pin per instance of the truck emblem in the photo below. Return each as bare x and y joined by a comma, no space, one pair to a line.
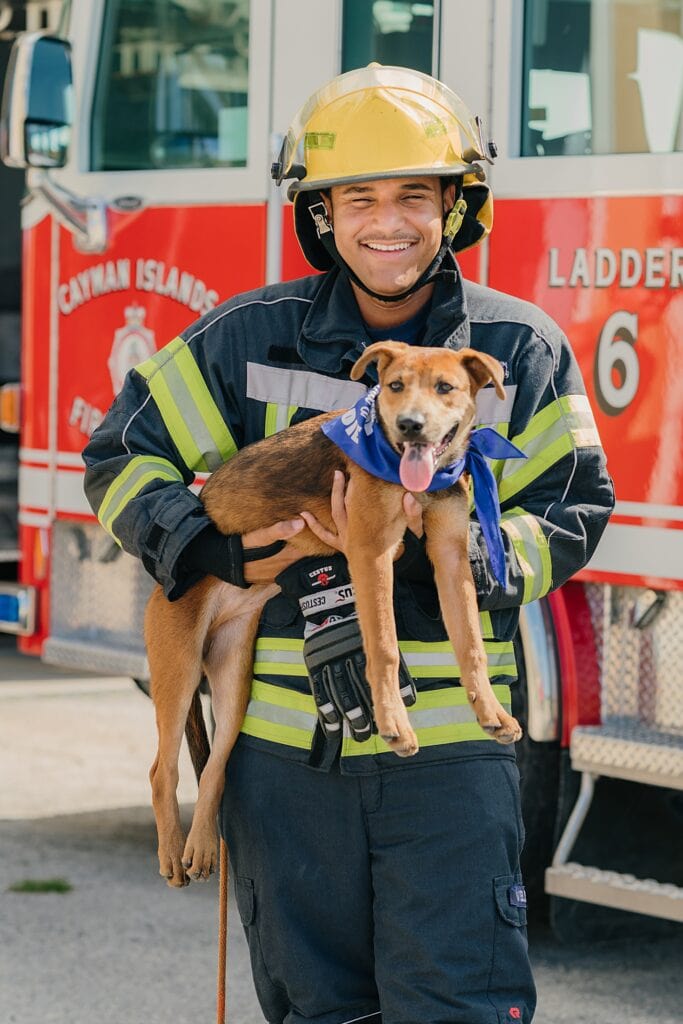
132,345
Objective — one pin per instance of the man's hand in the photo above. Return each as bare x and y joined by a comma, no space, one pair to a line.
264,570
339,497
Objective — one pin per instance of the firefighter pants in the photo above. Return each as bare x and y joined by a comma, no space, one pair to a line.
392,897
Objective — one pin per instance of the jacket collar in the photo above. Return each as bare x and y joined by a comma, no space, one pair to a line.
333,334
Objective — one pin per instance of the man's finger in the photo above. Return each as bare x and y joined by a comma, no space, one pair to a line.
338,503
321,532
279,531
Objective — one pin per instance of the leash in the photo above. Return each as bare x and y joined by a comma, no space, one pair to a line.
222,931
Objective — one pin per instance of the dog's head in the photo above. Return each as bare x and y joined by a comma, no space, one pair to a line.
426,404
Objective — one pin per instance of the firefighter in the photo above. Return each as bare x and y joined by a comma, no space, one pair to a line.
371,888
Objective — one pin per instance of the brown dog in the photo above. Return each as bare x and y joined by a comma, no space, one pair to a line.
212,628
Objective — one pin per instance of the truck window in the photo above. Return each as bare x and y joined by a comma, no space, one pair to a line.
602,76
172,85
389,32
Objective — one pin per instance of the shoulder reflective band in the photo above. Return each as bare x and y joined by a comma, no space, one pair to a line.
191,416
563,425
140,471
439,716
277,418
532,550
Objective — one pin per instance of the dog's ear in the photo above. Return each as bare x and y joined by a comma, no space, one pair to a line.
382,352
482,368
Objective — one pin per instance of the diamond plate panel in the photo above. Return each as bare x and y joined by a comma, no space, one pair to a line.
640,666
98,595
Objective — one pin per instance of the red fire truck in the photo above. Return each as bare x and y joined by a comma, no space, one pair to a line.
157,204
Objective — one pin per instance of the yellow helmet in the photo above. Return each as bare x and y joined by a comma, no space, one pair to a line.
385,122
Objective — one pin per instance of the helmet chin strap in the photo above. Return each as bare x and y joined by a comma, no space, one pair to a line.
453,222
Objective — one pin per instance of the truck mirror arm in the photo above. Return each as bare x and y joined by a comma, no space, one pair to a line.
84,217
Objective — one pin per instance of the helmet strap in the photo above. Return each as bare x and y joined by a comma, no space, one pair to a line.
452,225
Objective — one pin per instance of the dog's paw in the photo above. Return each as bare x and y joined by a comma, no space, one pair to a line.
504,729
200,855
171,867
395,729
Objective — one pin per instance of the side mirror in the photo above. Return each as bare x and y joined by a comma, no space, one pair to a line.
37,105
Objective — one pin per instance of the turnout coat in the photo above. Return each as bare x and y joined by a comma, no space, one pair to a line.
280,354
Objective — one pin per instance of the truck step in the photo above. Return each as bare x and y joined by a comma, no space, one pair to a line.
612,889
89,657
624,748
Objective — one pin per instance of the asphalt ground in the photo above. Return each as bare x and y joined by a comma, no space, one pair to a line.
120,947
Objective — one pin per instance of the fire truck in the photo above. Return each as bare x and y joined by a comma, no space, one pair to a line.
147,131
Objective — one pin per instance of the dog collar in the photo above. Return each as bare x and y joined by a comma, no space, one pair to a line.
359,434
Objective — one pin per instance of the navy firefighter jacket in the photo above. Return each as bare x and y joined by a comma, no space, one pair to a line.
280,354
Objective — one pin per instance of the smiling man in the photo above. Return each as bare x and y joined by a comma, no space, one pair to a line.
371,888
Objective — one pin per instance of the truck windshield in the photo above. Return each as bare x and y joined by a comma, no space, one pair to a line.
602,76
172,85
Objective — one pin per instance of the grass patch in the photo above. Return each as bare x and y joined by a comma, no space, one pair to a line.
41,885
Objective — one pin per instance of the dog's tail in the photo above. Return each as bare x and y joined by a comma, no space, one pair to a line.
196,735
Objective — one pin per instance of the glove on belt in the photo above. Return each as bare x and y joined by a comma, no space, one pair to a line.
333,647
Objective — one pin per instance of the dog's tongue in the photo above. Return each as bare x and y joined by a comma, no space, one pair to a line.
417,467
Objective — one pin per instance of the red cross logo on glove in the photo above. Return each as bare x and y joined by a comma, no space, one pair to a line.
515,1013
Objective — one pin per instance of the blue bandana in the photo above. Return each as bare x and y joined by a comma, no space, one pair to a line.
359,435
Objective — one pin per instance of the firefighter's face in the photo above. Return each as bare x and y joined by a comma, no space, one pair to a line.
389,231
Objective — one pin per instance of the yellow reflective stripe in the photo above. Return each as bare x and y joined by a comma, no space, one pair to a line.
556,430
485,624
448,709
279,657
277,417
267,693
532,550
280,715
140,471
279,643
191,416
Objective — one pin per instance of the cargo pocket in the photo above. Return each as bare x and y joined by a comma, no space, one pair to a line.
271,996
244,893
511,989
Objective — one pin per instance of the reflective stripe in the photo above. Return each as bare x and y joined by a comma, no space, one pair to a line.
302,388
280,715
437,660
532,550
438,716
563,425
140,471
491,409
191,416
277,418
425,660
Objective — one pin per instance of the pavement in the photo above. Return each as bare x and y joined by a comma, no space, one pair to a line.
121,947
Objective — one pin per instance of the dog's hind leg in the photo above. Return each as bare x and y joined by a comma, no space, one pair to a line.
174,648
228,664
446,526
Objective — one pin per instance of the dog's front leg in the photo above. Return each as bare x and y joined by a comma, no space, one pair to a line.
446,526
376,524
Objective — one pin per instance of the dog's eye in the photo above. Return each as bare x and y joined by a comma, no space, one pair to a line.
443,387
396,385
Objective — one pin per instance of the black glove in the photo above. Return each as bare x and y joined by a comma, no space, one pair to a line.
212,553
333,647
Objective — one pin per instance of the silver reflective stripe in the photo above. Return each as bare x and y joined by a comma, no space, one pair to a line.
279,715
443,716
290,657
491,408
302,388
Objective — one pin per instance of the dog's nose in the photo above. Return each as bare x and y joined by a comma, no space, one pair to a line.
410,426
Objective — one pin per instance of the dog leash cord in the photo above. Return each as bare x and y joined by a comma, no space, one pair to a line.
222,931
